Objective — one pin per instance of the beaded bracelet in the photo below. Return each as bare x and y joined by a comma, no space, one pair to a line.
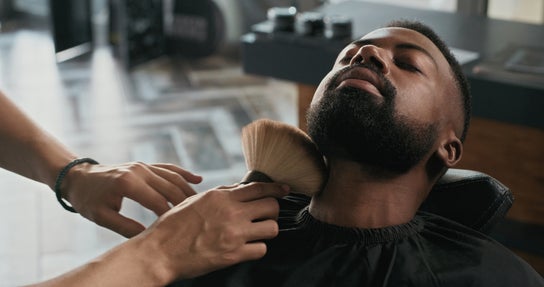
61,176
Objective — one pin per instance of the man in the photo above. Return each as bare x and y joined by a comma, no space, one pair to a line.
390,118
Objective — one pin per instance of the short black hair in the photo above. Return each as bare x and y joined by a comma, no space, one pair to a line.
460,79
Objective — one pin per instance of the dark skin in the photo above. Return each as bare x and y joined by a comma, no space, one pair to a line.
354,196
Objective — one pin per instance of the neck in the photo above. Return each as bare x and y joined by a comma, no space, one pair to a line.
355,197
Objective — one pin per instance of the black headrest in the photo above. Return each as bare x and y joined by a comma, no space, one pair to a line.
472,198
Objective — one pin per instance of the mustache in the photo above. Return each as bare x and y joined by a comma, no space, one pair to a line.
389,90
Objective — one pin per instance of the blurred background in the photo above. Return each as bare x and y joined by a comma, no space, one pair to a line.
153,81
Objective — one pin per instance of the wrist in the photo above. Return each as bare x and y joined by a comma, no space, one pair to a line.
154,260
125,265
51,171
62,182
70,180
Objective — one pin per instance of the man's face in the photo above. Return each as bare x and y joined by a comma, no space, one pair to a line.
384,102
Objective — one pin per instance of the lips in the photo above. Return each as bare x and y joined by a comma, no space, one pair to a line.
361,78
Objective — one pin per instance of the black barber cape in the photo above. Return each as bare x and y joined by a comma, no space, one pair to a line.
428,251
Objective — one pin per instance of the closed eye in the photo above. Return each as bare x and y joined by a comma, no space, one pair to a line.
346,59
406,65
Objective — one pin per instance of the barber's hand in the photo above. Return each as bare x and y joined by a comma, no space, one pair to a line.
214,229
97,191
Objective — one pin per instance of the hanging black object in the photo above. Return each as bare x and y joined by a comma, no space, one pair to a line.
144,30
193,28
72,29
136,30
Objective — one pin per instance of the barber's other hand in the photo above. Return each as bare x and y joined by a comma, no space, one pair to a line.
214,229
97,191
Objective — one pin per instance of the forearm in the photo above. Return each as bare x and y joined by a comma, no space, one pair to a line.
26,148
204,233
129,264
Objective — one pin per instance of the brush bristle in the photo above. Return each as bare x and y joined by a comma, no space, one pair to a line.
286,154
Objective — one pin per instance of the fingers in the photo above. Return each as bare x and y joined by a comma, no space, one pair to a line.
262,230
262,214
258,190
250,251
187,175
170,184
120,224
150,199
265,208
162,183
103,188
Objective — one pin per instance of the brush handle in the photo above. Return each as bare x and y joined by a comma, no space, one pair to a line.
255,176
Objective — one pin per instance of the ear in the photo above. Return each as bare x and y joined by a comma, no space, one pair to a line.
450,151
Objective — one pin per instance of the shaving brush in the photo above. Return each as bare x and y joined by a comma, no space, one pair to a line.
278,152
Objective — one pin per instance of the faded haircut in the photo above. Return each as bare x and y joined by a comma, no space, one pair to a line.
460,79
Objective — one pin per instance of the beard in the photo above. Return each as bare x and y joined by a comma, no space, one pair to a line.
352,124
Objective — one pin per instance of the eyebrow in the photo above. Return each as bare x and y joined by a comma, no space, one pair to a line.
405,46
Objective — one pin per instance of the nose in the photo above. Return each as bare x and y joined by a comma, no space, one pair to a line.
371,55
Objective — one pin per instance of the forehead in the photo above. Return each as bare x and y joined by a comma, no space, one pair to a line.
400,34
391,36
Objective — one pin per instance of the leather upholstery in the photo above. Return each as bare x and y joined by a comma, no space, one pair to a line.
472,198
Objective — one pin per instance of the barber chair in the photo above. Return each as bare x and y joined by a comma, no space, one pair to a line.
471,198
